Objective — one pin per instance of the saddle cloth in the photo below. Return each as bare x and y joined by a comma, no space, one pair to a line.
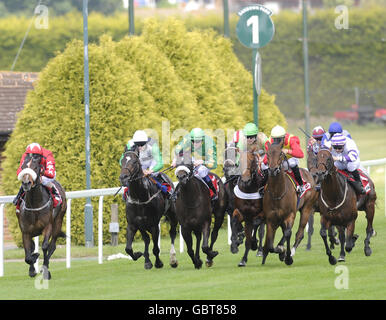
214,182
306,185
364,179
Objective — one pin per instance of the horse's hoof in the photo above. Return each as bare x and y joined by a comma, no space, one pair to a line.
159,265
174,265
46,273
137,255
348,249
148,265
342,259
259,253
253,246
332,260
308,248
281,256
32,274
288,261
368,252
242,263
213,254
234,249
198,264
209,263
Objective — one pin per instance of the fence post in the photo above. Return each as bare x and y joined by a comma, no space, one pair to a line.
2,239
100,230
68,234
114,224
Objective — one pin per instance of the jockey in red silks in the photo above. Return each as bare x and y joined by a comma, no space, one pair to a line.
48,174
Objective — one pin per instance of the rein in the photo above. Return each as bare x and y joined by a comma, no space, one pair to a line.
144,202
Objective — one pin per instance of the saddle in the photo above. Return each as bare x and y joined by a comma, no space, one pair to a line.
215,184
306,185
364,179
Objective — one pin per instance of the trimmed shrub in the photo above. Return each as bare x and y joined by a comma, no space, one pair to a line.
167,74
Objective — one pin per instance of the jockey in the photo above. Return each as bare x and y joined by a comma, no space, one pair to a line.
315,142
203,151
335,127
47,162
149,156
346,156
291,147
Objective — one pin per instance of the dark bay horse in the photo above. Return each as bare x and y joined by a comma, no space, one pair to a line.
145,205
338,206
37,215
248,201
280,204
194,209
312,166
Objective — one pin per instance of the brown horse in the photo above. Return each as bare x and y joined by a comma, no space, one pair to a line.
247,199
37,215
339,207
280,204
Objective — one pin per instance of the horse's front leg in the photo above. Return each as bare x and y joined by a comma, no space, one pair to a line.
218,221
248,240
369,229
323,233
237,229
342,240
261,232
30,257
304,218
146,240
173,234
287,234
156,247
310,230
269,237
47,231
350,240
130,233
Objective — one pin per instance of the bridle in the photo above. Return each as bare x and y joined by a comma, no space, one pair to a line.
138,173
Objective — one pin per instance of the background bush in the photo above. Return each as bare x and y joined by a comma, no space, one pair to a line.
168,73
339,60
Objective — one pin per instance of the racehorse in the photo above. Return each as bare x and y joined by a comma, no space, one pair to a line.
248,201
194,209
280,204
37,215
232,174
338,206
145,205
312,164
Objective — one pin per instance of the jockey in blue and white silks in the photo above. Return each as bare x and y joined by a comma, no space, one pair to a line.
346,157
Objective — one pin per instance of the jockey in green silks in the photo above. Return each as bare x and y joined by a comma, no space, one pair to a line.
203,151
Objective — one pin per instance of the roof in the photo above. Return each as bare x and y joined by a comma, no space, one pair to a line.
13,90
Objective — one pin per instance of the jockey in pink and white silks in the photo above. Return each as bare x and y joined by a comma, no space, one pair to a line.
346,157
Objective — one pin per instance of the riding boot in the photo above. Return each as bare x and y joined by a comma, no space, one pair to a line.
211,186
357,184
16,200
57,198
298,178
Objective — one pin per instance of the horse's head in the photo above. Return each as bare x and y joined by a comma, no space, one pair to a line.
184,172
31,171
131,166
275,158
325,164
230,168
249,166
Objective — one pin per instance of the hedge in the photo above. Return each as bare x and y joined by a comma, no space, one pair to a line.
135,83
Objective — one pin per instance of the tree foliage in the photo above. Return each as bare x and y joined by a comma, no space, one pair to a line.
166,75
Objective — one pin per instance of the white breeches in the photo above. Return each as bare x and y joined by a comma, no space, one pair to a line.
292,162
201,171
47,182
